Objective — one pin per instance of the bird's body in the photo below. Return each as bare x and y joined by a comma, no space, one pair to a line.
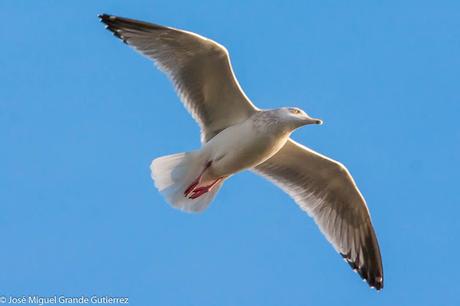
236,136
245,145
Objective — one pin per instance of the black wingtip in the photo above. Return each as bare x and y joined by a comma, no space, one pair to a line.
108,20
103,16
374,280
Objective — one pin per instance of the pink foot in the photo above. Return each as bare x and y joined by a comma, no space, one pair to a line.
198,192
197,180
192,186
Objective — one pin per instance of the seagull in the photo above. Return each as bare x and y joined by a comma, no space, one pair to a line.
236,135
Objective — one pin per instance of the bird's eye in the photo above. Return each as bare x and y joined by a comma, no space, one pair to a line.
294,111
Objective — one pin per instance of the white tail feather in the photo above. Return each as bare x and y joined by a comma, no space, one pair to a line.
172,175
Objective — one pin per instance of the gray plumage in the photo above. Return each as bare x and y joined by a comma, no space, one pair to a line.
232,128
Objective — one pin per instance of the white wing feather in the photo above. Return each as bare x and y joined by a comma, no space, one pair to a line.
199,68
326,191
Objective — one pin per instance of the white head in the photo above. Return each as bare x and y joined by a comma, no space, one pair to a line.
296,117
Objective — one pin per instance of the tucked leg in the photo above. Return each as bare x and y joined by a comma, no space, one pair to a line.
195,183
197,192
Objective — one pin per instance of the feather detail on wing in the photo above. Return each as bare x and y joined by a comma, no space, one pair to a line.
326,191
199,68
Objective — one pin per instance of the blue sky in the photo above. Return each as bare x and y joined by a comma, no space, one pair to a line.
82,116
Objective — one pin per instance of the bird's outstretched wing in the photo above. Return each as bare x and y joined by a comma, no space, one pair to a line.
326,191
199,68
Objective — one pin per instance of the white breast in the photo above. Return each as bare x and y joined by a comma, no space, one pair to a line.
243,146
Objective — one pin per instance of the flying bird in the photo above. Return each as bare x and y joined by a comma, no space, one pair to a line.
236,135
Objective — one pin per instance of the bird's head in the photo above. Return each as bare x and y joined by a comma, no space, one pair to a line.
296,117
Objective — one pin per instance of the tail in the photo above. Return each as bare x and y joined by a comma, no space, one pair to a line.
172,175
